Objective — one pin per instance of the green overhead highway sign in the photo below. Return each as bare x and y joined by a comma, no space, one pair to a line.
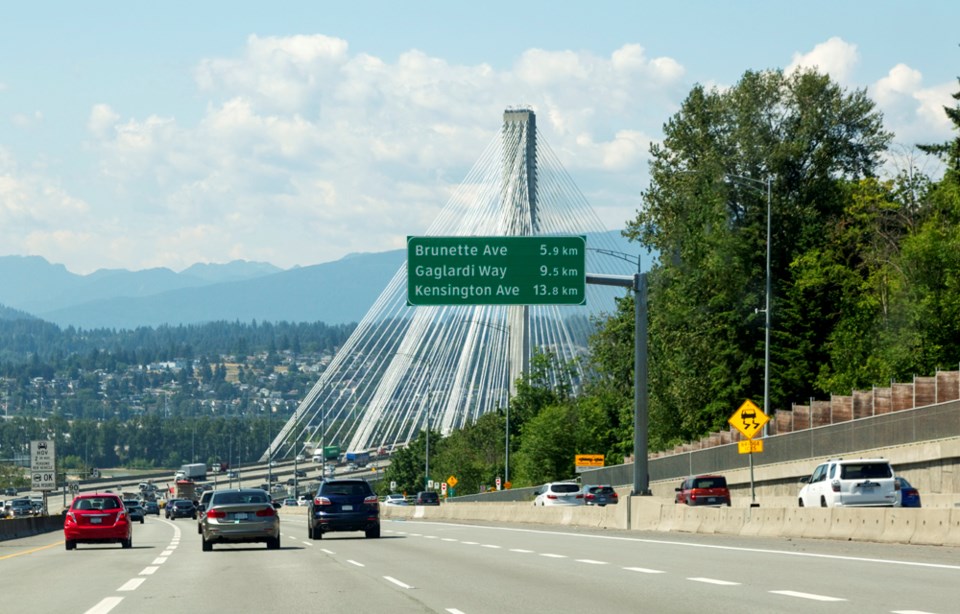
496,270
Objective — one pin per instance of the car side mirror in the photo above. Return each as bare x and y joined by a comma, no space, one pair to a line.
805,479
678,489
277,505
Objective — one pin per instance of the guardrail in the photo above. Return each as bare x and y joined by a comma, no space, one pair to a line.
15,528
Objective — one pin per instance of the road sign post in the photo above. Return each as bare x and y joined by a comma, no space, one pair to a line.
749,420
496,270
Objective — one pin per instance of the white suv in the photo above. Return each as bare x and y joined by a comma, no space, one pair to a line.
559,493
864,482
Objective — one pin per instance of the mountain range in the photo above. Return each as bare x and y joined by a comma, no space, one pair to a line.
337,292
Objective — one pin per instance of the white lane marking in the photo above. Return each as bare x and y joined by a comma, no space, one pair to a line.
643,570
327,551
306,543
807,596
553,556
448,539
521,550
160,560
665,542
105,605
131,585
910,612
430,536
714,581
490,546
149,571
470,543
591,562
454,611
415,534
358,564
166,553
397,582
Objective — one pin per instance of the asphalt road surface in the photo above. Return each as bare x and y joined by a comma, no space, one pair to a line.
472,569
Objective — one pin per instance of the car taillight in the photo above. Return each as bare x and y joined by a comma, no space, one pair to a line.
579,496
613,495
121,515
321,501
216,514
589,497
371,500
835,486
896,485
267,512
71,517
551,496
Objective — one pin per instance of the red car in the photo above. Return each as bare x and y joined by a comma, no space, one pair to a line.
97,519
703,490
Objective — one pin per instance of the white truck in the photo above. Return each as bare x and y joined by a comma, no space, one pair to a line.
193,471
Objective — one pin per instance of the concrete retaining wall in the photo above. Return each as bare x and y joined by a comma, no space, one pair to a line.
891,525
15,528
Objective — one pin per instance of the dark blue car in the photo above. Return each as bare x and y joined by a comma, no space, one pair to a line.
907,495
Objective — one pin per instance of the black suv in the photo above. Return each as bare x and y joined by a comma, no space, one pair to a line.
427,497
343,505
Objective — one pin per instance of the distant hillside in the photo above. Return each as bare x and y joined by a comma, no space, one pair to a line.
335,293
6,313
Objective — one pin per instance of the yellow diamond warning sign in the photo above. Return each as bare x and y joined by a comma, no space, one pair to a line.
748,419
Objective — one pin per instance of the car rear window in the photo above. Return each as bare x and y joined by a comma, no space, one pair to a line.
711,482
354,489
565,488
865,470
602,490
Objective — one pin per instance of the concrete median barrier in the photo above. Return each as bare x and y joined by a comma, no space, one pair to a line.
869,525
899,525
645,513
932,527
953,532
15,528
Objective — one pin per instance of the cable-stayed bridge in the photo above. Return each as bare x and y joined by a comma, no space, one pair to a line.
407,368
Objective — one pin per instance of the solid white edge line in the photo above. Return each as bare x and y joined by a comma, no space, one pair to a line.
131,585
714,581
106,604
397,582
807,596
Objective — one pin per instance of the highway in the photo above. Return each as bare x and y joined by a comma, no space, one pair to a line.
421,566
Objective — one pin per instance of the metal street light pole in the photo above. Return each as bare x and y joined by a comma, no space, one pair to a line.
638,281
765,186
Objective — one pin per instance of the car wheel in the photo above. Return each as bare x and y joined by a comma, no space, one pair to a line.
70,544
207,546
823,502
127,543
273,543
801,502
141,521
199,530
373,533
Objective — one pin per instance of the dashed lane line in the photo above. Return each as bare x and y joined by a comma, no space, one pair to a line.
714,581
397,582
810,596
357,563
131,585
643,570
326,551
160,560
149,571
106,604
591,562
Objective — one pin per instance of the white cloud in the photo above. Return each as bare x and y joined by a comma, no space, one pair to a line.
834,57
912,110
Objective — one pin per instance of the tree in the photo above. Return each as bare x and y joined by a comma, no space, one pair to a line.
706,217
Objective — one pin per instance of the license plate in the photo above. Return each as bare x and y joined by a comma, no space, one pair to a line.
711,499
96,520
347,508
240,516
868,489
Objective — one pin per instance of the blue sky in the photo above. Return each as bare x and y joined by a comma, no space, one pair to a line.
295,133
